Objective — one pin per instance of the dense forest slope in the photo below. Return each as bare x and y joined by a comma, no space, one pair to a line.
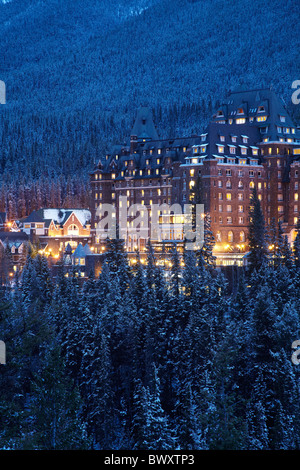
77,70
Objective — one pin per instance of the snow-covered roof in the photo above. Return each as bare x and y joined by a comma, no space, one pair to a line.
61,215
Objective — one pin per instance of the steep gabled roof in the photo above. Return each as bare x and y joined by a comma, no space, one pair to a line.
144,127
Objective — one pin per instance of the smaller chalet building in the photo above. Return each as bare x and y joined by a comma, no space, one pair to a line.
13,244
54,229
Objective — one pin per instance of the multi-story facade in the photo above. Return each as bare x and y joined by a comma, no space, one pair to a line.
250,142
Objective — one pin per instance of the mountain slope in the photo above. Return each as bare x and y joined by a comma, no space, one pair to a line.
92,63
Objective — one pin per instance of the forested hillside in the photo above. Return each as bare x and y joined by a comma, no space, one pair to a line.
76,72
135,360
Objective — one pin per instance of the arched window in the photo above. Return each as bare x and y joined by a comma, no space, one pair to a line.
218,236
230,236
242,236
251,185
73,230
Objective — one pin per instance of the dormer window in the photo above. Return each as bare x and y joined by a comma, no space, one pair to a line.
220,148
233,138
261,118
222,138
261,109
220,113
240,111
282,118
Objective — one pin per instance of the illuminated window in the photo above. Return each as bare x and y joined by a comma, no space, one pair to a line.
73,230
240,121
230,236
229,208
113,176
218,236
158,161
296,197
242,236
261,118
251,185
228,196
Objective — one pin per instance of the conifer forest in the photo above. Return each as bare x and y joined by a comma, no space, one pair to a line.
142,357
